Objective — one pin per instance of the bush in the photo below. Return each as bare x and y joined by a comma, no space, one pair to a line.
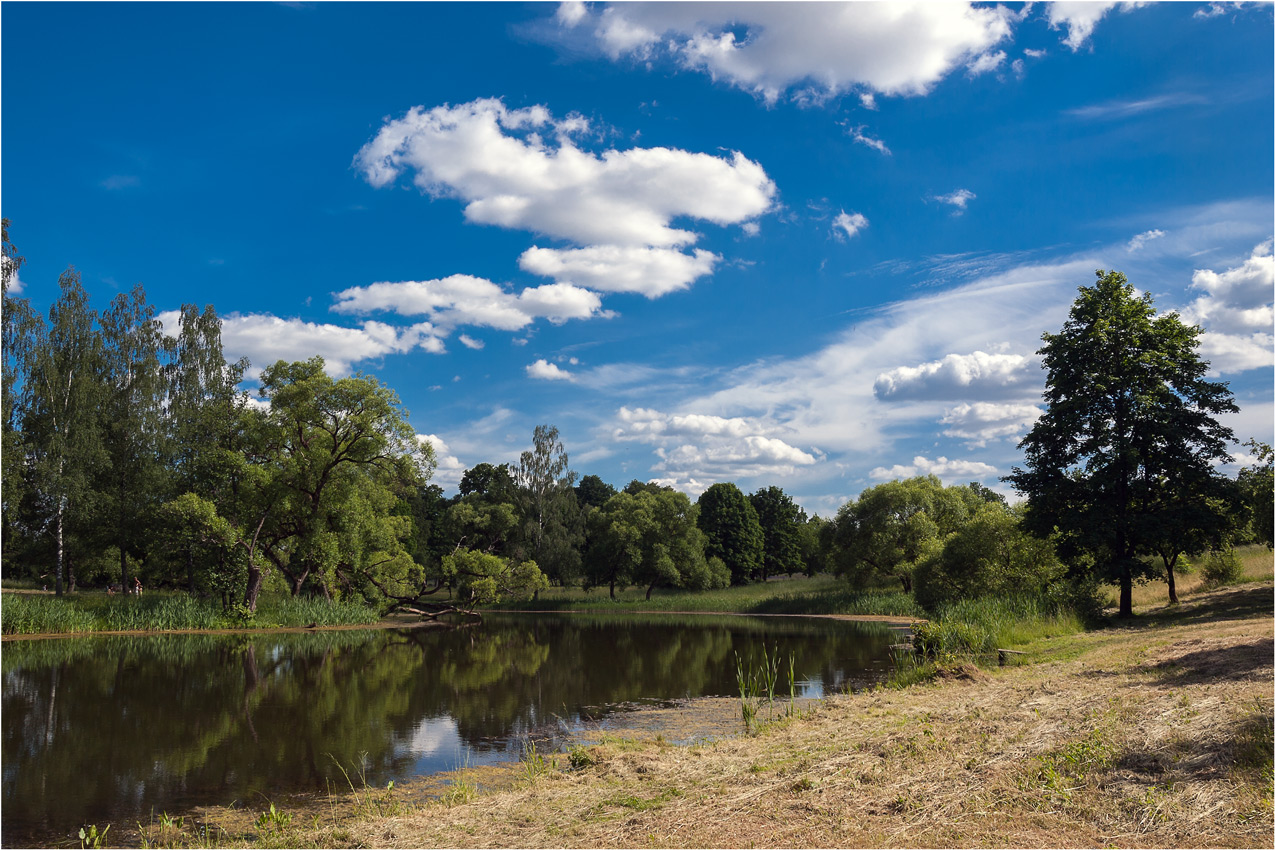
1222,567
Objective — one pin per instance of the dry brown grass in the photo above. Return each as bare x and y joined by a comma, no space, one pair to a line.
1156,734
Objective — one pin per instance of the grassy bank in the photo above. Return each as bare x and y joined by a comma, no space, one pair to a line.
86,612
1150,733
819,595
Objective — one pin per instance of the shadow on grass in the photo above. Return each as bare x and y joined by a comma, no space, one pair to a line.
1247,661
1245,602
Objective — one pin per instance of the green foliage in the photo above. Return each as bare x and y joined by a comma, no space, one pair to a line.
649,539
781,524
732,531
482,579
553,527
1222,567
274,820
757,679
1257,492
987,555
893,526
1129,427
92,838
972,627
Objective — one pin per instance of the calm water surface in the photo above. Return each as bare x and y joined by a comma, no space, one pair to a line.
112,729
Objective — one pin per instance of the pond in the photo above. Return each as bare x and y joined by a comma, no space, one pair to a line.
118,729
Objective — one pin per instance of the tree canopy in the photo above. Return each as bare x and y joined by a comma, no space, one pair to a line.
1129,423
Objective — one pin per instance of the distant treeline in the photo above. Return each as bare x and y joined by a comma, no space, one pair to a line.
132,456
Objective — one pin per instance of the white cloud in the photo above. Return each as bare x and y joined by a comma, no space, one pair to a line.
956,376
571,13
705,447
265,339
545,371
1137,242
981,422
448,469
15,285
613,268
1237,313
868,101
474,152
847,225
985,63
947,470
1079,17
857,134
470,342
1115,109
466,300
959,199
812,50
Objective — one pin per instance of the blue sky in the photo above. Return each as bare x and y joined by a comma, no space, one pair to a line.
810,245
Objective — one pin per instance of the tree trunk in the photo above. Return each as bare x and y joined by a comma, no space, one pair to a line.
907,583
1173,588
190,570
58,531
613,588
1126,588
123,568
253,589
648,592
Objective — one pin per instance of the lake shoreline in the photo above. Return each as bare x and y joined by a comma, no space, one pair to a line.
1151,733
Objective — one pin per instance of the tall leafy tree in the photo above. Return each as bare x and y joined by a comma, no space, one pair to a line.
131,482
339,456
18,337
552,523
732,531
1129,414
781,520
890,527
1257,490
651,538
62,397
205,429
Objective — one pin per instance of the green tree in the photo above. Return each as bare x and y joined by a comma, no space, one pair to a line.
1129,412
552,523
650,538
732,531
815,539
62,397
131,483
781,521
593,492
337,455
988,554
20,325
1257,491
891,526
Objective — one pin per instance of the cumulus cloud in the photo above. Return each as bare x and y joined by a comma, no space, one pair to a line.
985,63
1079,17
958,199
955,376
467,300
858,135
1137,242
981,422
709,448
498,162
470,342
1237,313
265,339
947,470
847,225
448,470
614,268
543,370
811,51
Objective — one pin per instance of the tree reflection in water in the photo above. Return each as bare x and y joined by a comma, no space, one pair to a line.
110,729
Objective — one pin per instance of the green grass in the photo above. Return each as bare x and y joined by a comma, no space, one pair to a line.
819,595
164,611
